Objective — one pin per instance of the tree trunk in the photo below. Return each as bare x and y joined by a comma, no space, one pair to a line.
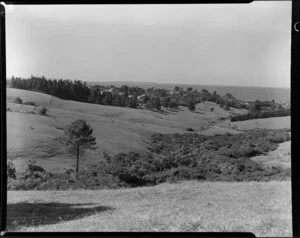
77,160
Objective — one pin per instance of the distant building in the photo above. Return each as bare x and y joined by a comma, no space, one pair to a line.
111,90
141,98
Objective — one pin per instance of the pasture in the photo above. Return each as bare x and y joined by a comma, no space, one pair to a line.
263,208
117,129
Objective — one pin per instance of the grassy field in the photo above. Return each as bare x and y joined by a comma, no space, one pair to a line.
263,208
116,129
267,123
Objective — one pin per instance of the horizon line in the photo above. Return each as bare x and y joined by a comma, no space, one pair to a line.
153,82
218,85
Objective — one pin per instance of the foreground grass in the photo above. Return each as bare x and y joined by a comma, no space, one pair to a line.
263,208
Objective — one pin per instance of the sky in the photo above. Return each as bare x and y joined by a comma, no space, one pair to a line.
224,44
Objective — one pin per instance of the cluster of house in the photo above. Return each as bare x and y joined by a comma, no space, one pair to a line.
113,90
142,97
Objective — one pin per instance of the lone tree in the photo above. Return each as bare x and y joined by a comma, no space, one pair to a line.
79,136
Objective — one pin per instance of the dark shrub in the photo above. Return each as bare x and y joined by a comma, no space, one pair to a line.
131,167
11,170
30,103
211,109
153,103
173,104
43,111
185,173
189,129
18,100
32,167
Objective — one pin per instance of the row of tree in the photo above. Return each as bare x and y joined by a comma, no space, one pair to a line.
262,114
125,96
64,89
155,102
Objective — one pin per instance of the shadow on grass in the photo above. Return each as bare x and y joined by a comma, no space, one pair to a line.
35,214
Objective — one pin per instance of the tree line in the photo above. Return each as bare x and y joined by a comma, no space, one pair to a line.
77,91
135,97
64,89
123,97
262,114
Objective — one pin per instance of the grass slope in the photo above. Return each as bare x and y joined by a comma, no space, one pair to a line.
267,123
116,129
281,157
263,208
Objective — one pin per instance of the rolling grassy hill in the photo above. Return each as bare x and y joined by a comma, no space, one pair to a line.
263,208
117,129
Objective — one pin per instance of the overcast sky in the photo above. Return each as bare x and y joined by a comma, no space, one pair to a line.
240,45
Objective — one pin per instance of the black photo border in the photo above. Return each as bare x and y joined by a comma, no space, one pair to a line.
295,122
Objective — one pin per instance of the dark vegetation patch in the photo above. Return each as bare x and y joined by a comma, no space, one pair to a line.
190,129
17,100
262,114
30,103
43,111
171,158
36,178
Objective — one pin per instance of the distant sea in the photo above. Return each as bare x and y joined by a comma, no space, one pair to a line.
242,93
